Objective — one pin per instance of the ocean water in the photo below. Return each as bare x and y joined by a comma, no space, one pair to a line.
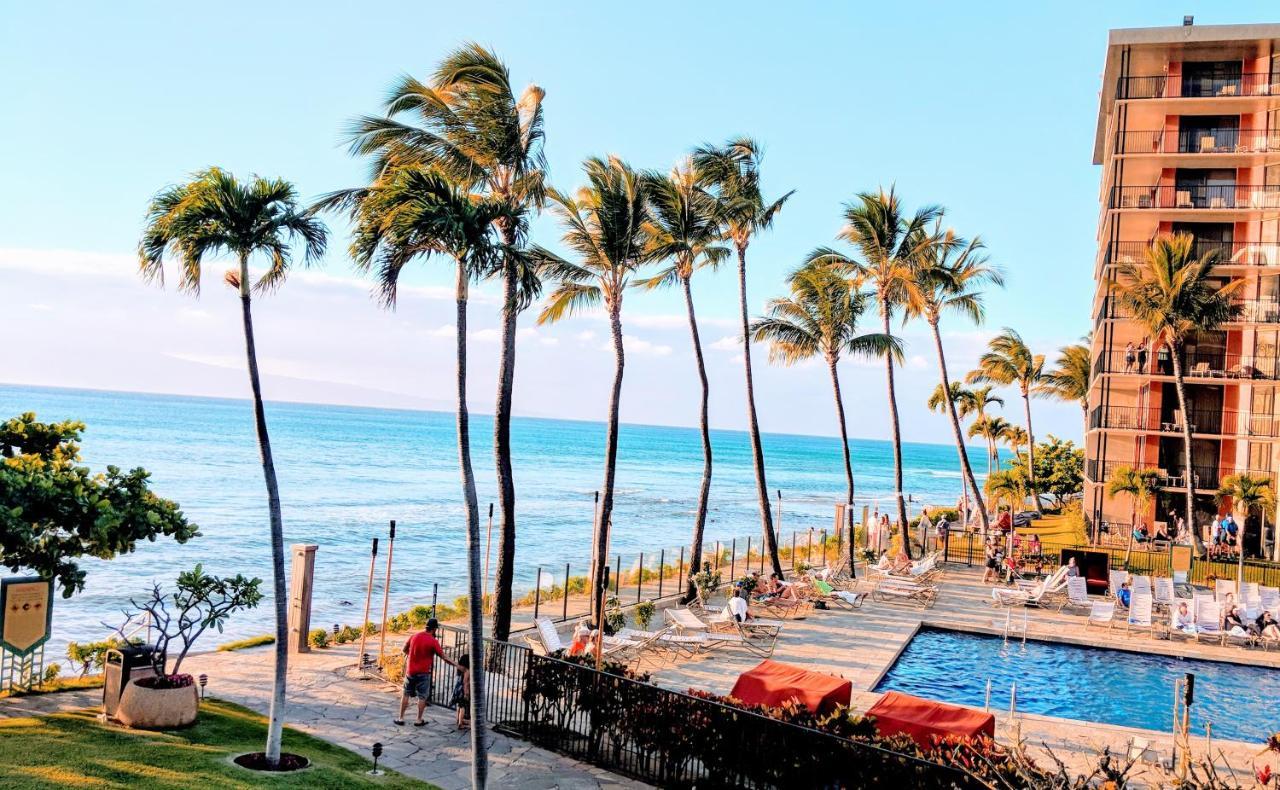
345,472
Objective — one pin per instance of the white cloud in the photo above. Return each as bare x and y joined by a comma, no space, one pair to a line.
727,343
638,345
585,336
40,307
443,331
485,335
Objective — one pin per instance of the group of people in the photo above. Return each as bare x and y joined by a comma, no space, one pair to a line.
1224,536
1235,621
420,652
1135,358
997,563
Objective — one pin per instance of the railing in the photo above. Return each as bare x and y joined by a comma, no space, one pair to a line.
1202,477
1198,141
1238,253
1247,311
1165,87
1224,422
1191,197
1198,365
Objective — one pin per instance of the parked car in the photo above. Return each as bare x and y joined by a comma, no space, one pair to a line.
1025,518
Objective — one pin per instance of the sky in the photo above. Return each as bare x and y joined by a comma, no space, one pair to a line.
987,109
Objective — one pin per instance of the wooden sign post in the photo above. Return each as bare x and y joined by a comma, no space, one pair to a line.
26,619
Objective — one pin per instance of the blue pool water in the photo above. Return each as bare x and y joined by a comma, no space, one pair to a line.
1090,684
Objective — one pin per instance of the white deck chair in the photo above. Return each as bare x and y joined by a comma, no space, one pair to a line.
1209,622
1162,594
1141,584
1176,632
1139,612
549,636
1222,588
1268,597
1252,591
1101,613
687,623
1077,594
1115,580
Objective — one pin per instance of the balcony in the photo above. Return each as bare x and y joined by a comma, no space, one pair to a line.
1164,87
1220,197
1203,478
1198,141
1203,421
1247,311
1238,253
1216,366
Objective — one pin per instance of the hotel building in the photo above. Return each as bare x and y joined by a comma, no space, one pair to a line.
1188,138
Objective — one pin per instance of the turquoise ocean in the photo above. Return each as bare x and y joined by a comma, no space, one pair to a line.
345,472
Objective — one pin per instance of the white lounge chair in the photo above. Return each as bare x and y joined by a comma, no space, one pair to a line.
1269,597
687,623
1036,595
1077,594
1139,613
896,590
1162,594
1209,622
1222,588
1115,580
1141,584
612,646
1101,614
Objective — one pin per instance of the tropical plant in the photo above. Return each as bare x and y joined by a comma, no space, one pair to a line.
1008,361
1069,379
605,226
1059,468
1173,295
54,511
992,428
469,123
949,276
1016,437
1246,492
216,214
413,213
684,232
887,241
732,173
820,318
1007,488
1139,485
645,610
980,399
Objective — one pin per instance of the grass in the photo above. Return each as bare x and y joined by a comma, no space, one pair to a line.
61,684
253,641
75,750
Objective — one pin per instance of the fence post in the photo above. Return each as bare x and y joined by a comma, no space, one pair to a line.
537,593
822,538
617,579
565,614
733,557
717,555
662,570
639,576
682,584
808,548
793,549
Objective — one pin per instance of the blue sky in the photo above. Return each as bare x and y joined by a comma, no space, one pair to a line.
988,112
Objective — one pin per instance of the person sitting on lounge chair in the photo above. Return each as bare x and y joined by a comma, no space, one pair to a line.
1073,570
1140,534
1182,619
739,609
1233,622
1124,595
1267,626
901,565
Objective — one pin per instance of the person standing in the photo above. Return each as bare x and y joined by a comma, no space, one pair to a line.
1129,356
420,652
1142,354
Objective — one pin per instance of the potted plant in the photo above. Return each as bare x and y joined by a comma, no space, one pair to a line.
707,581
200,602
644,614
614,619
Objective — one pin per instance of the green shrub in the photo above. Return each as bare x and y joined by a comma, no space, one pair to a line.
318,638
644,614
253,641
51,673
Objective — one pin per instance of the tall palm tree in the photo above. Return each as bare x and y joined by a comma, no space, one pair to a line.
732,173
1069,379
886,241
1246,492
981,399
1139,485
1016,437
1172,294
685,233
215,214
605,225
992,428
1008,361
949,276
411,214
469,123
820,318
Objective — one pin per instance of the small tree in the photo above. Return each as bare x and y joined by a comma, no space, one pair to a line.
1139,484
53,511
1059,468
1245,492
200,602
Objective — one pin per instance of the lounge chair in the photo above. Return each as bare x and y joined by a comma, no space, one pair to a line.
1115,580
1222,588
689,624
1101,614
1041,594
1162,595
1268,597
1141,584
1077,594
611,646
823,591
897,590
1139,613
1209,622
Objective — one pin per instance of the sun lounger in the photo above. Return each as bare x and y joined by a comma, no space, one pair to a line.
1222,588
1077,594
687,623
615,647
1209,622
1115,580
1162,594
1040,594
1139,613
895,590
1268,597
1101,613
1141,584
843,598
1176,632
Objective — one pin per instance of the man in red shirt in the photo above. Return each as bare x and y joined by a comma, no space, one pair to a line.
420,651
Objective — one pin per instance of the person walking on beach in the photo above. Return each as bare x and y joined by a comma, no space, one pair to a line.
420,652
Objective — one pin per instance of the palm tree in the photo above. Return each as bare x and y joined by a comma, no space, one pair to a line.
605,225
1139,485
216,214
949,275
1007,488
1016,437
976,405
732,173
820,318
469,123
992,428
1009,361
887,241
413,213
1246,492
685,231
1172,294
1069,379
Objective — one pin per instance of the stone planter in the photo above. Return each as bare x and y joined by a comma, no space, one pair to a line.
158,709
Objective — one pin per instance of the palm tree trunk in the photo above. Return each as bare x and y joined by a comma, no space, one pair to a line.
704,493
955,428
897,436
603,523
1031,452
475,609
757,452
275,724
844,442
505,572
1239,548
1178,385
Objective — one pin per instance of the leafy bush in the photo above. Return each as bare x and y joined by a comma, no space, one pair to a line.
51,673
244,644
614,619
392,666
644,614
707,581
318,638
92,655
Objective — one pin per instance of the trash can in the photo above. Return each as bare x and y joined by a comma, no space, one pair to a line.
121,666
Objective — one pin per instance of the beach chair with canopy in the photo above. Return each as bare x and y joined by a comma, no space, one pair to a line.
1139,613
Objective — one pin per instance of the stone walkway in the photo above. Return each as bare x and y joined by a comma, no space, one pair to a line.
352,713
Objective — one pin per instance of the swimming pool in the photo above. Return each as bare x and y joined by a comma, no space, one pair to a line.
1091,684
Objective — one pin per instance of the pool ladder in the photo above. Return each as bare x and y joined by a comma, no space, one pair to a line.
1013,699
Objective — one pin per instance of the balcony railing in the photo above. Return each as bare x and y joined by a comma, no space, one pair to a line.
1198,141
1247,311
1165,87
1199,365
1203,421
1214,196
1237,253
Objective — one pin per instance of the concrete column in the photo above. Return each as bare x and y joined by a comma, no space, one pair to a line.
301,583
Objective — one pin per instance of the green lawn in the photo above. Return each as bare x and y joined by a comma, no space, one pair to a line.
75,750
